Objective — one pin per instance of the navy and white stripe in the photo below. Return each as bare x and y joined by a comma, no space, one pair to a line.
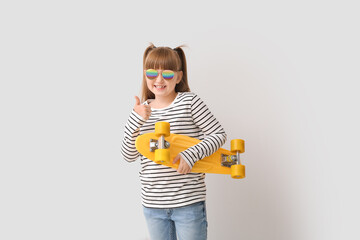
164,187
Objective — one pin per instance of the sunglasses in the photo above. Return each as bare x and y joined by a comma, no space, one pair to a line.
152,74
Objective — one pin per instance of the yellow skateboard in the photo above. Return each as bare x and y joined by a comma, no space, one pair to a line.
162,147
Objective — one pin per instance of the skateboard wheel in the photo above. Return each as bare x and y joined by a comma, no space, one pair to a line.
237,145
237,171
162,155
162,128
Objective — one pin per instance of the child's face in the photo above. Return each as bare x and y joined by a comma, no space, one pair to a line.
161,87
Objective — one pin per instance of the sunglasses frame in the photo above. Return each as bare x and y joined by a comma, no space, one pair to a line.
162,71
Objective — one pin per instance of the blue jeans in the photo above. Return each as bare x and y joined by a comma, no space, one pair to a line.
188,223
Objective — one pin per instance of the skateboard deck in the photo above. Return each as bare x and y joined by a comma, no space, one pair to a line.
178,143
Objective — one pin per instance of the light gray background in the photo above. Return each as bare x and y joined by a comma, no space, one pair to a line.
283,75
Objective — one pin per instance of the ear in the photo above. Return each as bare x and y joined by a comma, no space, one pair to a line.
179,77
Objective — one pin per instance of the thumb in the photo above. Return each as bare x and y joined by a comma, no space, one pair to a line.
176,159
137,100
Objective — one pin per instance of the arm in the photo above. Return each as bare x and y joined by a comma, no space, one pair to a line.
214,134
131,132
137,118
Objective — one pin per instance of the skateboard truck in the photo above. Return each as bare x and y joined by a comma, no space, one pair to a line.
233,161
162,153
155,144
229,160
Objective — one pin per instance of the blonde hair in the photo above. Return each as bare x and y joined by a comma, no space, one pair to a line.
164,58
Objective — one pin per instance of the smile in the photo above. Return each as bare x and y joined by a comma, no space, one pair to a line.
159,86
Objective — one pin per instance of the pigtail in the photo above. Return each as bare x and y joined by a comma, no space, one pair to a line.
183,86
147,51
146,93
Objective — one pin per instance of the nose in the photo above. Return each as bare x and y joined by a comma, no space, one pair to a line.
159,78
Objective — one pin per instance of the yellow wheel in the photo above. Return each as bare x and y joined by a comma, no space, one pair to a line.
162,128
237,171
237,145
162,155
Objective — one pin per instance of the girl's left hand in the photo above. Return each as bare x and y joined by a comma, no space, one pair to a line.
183,168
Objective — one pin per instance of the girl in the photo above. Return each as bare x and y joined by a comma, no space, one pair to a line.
173,200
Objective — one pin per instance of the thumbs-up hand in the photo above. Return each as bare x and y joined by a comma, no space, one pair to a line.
141,109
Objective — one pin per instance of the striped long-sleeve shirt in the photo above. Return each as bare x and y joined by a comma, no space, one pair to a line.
164,187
